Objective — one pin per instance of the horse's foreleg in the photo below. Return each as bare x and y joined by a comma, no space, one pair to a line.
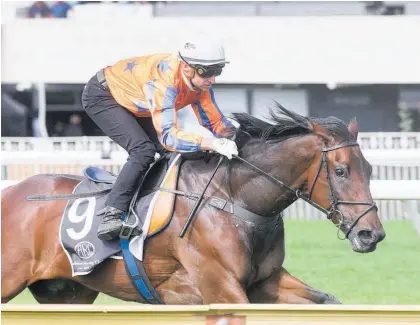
15,270
219,285
11,287
284,288
179,290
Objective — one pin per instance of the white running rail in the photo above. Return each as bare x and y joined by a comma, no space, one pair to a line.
405,193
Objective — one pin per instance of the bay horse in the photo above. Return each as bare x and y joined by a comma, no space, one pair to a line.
222,258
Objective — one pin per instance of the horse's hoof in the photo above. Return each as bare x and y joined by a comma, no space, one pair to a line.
330,299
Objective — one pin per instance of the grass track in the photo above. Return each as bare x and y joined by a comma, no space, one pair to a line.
390,275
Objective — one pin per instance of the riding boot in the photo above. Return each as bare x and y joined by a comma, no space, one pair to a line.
111,224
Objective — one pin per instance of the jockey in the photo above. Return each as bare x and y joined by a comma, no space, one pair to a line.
135,101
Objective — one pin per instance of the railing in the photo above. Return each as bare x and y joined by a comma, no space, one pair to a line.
211,314
398,164
394,156
389,140
397,200
367,140
54,144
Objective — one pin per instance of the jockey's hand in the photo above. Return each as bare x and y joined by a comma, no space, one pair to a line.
225,147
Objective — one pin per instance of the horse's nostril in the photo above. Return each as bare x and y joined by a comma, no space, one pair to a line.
367,237
380,235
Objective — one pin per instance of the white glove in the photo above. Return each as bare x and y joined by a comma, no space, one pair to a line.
225,147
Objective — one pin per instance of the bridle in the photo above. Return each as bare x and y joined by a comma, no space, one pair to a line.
335,201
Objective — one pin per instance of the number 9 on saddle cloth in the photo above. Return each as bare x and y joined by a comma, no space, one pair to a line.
150,212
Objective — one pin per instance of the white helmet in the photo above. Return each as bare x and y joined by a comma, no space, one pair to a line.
202,52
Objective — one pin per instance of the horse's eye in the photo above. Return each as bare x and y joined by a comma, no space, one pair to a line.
341,171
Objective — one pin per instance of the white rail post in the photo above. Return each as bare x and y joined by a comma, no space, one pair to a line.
42,109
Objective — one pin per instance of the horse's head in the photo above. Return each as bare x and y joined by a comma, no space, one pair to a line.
321,159
338,180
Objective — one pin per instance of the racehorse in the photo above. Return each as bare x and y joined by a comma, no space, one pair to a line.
222,258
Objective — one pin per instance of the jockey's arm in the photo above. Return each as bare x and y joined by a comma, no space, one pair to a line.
210,116
161,99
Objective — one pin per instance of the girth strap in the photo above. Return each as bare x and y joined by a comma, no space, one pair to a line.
138,275
224,205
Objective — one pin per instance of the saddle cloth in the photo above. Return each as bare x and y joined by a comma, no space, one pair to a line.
81,217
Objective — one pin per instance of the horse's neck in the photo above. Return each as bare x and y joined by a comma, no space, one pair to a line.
288,161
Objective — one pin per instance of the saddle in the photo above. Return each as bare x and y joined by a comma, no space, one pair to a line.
148,202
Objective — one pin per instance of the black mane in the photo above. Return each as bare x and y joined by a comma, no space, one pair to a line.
288,124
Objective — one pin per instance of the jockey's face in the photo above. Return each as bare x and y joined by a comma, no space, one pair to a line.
197,81
203,83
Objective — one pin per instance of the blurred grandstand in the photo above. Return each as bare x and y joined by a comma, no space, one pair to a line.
341,58
384,103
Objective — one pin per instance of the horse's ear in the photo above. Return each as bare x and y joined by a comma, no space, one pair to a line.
353,127
320,131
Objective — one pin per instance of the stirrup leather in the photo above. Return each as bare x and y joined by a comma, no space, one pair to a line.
127,228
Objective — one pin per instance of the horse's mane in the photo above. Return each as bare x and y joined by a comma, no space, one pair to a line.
288,124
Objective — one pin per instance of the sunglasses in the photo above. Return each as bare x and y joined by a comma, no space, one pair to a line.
206,71
209,71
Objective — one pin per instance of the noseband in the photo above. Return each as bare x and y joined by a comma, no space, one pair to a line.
333,196
333,209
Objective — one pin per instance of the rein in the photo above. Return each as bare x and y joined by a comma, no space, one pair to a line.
333,197
330,212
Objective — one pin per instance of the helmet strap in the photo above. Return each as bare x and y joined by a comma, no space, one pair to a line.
188,78
193,74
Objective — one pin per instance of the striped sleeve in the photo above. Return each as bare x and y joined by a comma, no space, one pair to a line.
210,116
161,99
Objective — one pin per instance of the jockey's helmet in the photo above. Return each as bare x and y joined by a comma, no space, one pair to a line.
207,57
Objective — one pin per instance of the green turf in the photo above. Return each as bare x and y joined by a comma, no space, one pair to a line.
390,275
